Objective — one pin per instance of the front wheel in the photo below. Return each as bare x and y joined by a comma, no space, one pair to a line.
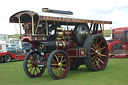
58,64
34,64
96,52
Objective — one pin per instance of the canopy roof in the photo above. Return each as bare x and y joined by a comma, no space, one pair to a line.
26,15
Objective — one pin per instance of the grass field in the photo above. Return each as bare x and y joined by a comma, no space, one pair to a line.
116,73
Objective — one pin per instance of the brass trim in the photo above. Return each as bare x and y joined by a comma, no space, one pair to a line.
60,34
45,9
58,38
41,46
32,26
56,45
46,25
64,44
59,28
60,44
44,38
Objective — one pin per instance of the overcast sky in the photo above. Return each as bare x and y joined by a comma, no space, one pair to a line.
112,10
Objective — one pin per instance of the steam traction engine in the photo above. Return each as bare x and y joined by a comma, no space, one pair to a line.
62,42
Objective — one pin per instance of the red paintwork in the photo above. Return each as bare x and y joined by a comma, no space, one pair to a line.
118,35
119,30
72,52
118,39
118,55
110,44
16,57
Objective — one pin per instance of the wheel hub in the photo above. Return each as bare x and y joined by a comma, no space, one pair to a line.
60,64
98,52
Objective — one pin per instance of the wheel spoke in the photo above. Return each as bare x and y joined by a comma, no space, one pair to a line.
61,58
92,53
92,57
36,70
94,46
93,49
56,58
31,70
94,63
54,64
63,69
97,64
103,55
102,48
56,71
101,61
99,43
53,68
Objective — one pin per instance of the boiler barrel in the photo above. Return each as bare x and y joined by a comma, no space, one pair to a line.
65,44
59,44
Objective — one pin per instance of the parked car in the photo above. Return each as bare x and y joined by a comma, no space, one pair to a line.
15,50
26,46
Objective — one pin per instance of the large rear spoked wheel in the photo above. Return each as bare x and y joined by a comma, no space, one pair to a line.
34,64
58,64
96,52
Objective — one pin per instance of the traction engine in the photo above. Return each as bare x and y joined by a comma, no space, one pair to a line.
62,42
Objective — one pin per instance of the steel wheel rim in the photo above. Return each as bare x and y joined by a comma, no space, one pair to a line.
60,65
32,63
99,53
